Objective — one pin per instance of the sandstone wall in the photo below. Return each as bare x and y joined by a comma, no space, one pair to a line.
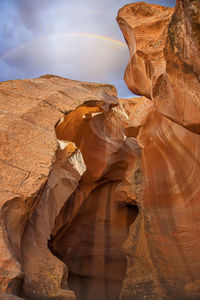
163,245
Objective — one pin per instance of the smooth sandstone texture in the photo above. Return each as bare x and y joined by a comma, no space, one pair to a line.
164,242
30,110
43,272
90,146
144,27
177,91
92,227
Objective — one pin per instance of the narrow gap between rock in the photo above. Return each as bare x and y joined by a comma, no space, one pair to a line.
91,246
93,224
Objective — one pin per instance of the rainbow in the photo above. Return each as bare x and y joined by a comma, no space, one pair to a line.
84,34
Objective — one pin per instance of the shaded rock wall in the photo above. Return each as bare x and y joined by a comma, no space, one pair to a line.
91,229
163,244
43,272
91,245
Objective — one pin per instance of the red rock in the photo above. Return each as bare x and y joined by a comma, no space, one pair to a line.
9,297
145,29
177,91
30,111
89,238
163,244
70,204
162,256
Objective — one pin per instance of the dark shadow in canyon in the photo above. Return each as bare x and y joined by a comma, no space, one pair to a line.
90,230
91,246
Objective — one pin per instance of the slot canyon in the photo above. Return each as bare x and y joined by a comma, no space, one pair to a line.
100,196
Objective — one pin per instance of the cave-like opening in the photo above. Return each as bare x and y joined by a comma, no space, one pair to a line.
91,246
90,231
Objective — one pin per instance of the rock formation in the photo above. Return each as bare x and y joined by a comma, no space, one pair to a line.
145,29
100,196
55,180
37,180
164,243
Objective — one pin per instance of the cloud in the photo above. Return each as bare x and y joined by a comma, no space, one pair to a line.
81,58
84,57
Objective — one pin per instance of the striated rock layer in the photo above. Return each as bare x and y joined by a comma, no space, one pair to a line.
163,247
145,29
37,178
60,204
99,196
91,246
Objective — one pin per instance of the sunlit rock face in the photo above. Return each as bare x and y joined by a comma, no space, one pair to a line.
38,175
145,29
163,247
64,192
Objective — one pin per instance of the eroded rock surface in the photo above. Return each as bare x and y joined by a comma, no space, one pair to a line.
30,110
70,216
177,91
113,172
145,29
95,223
163,244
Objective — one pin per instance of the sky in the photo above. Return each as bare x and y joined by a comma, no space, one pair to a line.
76,39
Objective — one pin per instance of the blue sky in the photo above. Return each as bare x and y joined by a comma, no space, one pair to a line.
31,43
